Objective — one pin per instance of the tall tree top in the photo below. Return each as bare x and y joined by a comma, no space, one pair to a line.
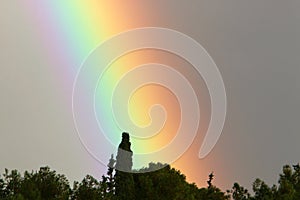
125,143
124,156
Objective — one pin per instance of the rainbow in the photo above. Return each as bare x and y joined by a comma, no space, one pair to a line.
70,30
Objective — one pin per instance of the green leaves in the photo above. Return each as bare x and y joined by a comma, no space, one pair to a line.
89,188
156,182
41,185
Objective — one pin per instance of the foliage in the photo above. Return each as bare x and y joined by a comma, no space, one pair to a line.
44,184
166,183
156,182
124,184
239,192
89,188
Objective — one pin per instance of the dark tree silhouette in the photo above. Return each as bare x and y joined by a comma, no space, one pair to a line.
210,179
42,185
239,192
124,184
89,188
156,182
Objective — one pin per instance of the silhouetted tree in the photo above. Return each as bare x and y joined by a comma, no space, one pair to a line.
210,179
108,182
164,183
239,193
110,174
212,192
12,182
89,188
42,185
296,181
2,188
124,184
286,190
29,189
156,182
263,191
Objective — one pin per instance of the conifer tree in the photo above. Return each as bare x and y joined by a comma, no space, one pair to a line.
124,183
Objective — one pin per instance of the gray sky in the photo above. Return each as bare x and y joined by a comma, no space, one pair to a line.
255,44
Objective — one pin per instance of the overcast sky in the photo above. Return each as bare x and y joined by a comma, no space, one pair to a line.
255,44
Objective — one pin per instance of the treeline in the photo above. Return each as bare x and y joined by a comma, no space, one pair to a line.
164,184
155,182
46,184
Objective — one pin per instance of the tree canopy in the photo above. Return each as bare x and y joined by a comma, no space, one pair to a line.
157,181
